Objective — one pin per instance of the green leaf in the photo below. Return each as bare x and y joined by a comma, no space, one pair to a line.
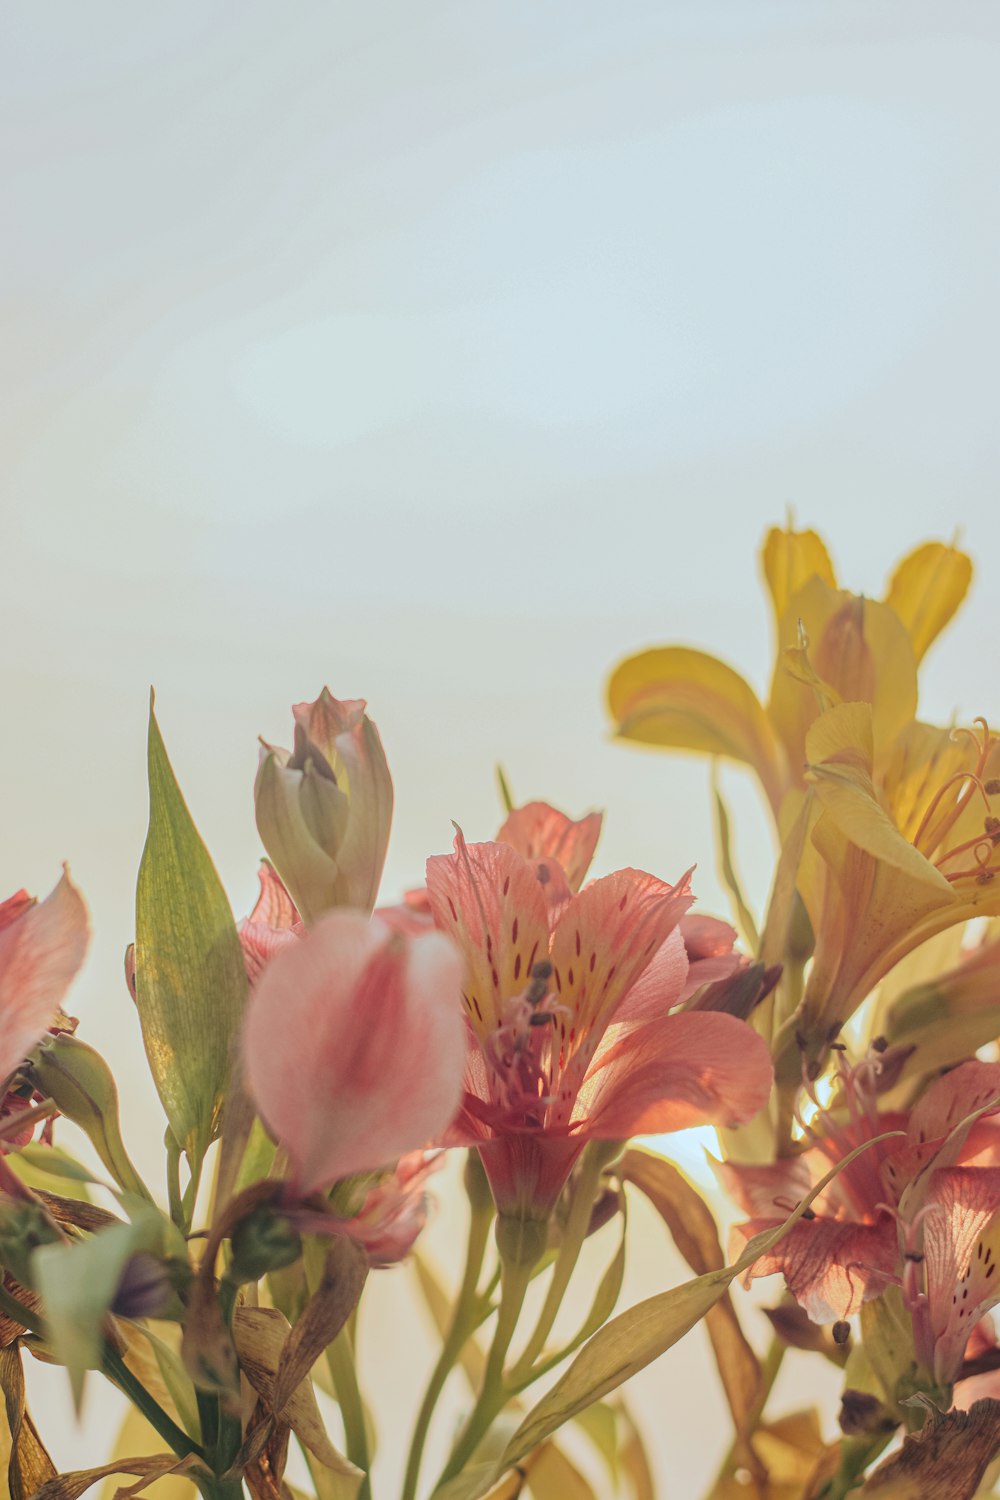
77,1282
190,981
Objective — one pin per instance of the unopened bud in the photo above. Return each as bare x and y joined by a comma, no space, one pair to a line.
323,810
266,1240
144,1289
24,1228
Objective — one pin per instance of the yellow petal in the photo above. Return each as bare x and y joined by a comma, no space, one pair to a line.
861,652
926,589
687,700
839,749
791,559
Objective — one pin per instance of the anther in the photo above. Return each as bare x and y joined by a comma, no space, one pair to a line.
541,970
841,1331
541,1018
915,1257
880,1044
992,786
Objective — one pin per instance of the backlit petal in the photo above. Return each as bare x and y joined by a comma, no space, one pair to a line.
538,831
490,901
689,1069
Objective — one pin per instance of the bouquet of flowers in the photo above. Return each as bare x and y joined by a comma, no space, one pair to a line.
317,1062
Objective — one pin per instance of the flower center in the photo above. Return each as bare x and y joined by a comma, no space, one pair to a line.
949,803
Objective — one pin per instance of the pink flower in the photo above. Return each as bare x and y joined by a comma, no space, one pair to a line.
42,945
395,1210
568,998
353,1046
901,1213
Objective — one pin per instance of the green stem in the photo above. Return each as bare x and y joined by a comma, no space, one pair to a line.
514,1281
578,1222
118,1372
343,1373
856,1455
463,1322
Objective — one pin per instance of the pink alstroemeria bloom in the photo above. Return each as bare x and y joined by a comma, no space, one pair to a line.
546,836
864,1230
353,1046
42,945
568,998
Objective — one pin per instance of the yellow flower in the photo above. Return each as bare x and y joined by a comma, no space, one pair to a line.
858,651
898,854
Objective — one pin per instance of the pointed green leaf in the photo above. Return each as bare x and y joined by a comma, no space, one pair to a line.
190,981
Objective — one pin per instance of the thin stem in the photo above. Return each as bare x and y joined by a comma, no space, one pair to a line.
574,1234
856,1455
463,1321
343,1373
514,1281
118,1372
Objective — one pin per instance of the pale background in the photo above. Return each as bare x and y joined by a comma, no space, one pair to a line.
444,353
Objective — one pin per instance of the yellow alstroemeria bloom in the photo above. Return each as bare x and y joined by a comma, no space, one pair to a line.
858,651
896,857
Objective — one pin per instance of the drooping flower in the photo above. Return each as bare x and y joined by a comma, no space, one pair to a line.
394,1210
892,1209
323,811
42,946
354,1047
858,650
569,1003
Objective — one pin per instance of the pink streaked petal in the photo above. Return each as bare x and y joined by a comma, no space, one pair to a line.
830,1268
42,945
693,1068
489,900
275,907
538,831
260,943
951,1098
607,937
657,990
960,1262
354,1046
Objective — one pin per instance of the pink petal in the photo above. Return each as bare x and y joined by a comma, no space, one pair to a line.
706,937
660,987
42,946
354,1046
830,1268
770,1190
490,901
275,907
538,831
606,938
693,1068
962,1278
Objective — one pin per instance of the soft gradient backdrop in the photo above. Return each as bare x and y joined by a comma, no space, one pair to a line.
443,353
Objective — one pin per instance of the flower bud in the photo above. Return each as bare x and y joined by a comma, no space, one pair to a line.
266,1240
145,1288
323,811
24,1227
